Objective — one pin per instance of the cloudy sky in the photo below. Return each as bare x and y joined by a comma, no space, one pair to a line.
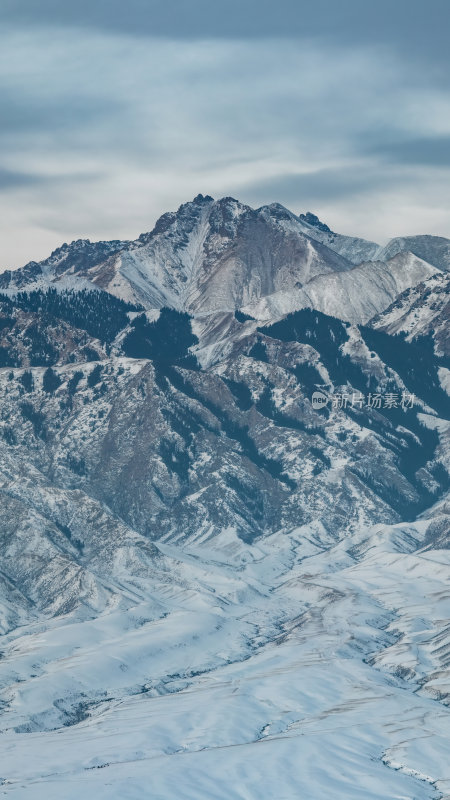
113,112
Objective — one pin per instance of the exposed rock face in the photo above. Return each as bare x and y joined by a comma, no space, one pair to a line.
312,219
355,295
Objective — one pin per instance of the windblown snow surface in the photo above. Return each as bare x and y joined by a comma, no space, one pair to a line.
296,667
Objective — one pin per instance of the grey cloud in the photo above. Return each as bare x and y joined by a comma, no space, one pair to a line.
418,28
11,179
327,185
424,151
34,110
177,18
15,179
159,120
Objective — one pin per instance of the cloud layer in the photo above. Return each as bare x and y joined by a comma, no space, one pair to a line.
104,127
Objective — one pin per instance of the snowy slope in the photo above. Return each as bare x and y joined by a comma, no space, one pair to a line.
355,295
217,256
434,249
421,310
282,670
67,264
352,248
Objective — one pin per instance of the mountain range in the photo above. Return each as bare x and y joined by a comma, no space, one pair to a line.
217,256
207,581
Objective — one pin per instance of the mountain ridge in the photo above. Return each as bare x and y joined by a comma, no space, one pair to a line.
218,256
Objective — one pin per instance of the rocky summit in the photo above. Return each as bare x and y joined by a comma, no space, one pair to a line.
225,540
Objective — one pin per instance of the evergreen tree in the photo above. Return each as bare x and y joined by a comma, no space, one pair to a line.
26,379
72,384
166,341
94,377
50,381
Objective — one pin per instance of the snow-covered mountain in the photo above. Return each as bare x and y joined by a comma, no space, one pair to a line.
295,667
434,249
421,311
218,256
211,587
352,248
208,256
355,295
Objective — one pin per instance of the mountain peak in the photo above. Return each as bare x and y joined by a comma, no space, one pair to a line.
314,221
76,244
277,211
200,198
